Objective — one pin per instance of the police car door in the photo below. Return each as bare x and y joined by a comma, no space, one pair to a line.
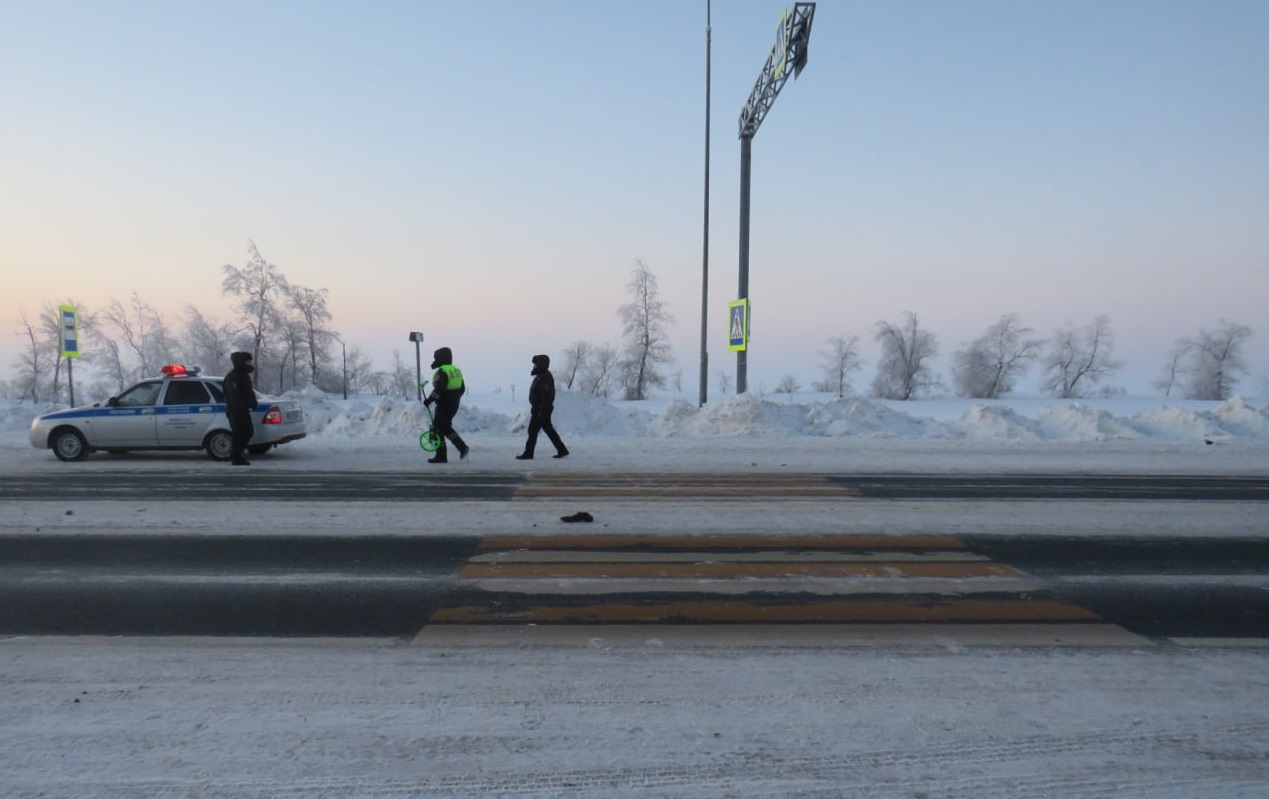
129,418
185,414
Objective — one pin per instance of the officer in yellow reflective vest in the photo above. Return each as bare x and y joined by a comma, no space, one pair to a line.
447,391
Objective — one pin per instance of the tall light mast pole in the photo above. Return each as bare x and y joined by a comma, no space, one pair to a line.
705,249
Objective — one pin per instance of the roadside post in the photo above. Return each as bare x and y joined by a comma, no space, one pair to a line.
70,344
417,338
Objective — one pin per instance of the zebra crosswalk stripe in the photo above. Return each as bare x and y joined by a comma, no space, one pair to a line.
738,579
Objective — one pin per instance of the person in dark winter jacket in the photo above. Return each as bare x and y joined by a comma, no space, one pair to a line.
541,404
240,399
447,390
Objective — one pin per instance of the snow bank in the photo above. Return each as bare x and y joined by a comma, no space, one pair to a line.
817,416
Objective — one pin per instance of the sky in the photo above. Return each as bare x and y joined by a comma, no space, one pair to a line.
489,174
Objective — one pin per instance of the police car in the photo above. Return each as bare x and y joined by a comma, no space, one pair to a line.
182,409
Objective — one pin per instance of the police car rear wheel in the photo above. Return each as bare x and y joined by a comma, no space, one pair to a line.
219,445
69,445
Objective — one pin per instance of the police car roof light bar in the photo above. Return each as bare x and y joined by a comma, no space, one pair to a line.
176,369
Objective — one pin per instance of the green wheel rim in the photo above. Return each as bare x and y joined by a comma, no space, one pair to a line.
430,441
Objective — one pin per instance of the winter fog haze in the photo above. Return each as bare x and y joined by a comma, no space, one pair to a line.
959,161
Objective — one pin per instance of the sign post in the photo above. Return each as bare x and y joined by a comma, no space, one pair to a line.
417,338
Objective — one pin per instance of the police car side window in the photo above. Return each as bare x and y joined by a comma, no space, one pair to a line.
217,394
140,394
185,393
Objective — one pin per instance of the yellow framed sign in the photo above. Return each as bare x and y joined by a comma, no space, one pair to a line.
69,331
738,325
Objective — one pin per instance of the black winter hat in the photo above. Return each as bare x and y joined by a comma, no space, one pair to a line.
240,358
442,357
542,361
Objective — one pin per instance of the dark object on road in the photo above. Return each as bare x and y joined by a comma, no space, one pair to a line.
580,516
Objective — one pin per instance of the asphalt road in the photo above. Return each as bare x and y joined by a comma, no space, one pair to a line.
295,585
477,486
262,585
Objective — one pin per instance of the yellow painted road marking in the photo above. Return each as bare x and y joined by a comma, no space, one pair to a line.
859,611
733,571
681,486
662,636
744,543
722,556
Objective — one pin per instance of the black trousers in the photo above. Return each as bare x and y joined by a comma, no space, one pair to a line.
243,430
443,424
541,421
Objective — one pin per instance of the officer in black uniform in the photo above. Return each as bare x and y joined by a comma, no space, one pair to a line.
240,399
541,405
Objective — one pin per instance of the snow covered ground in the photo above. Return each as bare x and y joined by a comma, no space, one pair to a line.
798,432
930,716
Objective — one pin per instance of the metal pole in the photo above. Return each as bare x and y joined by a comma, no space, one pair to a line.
343,352
70,380
418,369
705,237
746,157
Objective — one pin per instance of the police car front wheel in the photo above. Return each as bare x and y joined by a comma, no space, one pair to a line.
69,445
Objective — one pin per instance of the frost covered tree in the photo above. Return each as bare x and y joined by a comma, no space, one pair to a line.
988,367
788,385
575,358
292,348
404,377
1172,369
904,368
310,314
34,363
261,289
1079,358
724,382
362,376
644,322
596,377
144,342
1213,361
205,342
839,360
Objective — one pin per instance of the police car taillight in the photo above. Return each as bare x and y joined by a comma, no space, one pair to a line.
273,416
177,370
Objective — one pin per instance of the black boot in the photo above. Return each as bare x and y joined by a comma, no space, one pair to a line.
440,457
525,456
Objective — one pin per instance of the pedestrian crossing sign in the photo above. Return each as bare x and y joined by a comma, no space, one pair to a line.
738,325
69,331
